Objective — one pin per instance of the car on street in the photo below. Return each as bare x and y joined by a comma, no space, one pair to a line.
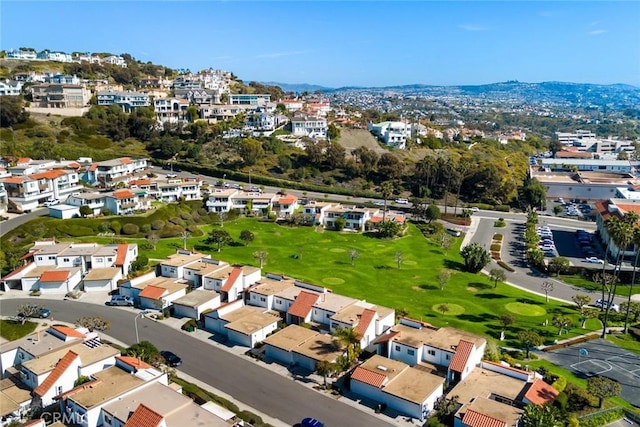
594,260
121,300
311,422
600,303
172,175
38,311
474,209
51,203
378,202
171,358
402,201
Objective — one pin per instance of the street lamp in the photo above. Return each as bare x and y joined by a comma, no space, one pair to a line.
224,179
135,324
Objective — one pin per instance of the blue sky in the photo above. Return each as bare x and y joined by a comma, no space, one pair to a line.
340,43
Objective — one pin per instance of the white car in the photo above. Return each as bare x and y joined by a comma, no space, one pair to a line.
51,203
594,260
600,303
475,209
378,202
172,175
402,201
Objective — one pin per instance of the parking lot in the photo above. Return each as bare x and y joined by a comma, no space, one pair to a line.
601,358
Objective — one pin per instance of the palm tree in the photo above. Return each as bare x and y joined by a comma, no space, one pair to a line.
610,224
621,234
325,368
636,241
350,338
387,190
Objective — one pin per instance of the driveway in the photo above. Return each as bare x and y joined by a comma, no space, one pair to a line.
601,358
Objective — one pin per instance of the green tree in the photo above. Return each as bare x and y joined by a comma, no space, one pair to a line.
246,236
432,212
581,300
507,320
28,311
333,132
389,229
563,323
192,113
251,151
82,379
386,188
353,256
627,309
351,340
603,388
325,368
218,238
542,416
555,146
529,339
261,256
12,111
497,275
587,313
443,308
557,210
85,211
559,265
444,276
534,193
475,257
339,223
144,350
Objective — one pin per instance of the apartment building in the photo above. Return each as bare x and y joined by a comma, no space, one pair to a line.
128,100
54,95
10,87
26,192
171,110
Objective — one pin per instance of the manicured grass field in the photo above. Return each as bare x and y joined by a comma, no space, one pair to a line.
12,330
323,257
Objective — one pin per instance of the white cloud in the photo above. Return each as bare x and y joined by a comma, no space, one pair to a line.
597,32
468,27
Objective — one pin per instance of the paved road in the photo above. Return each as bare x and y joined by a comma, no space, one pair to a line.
512,253
10,224
244,379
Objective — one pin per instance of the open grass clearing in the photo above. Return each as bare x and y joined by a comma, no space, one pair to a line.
12,330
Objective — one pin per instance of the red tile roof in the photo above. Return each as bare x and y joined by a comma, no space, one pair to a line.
123,194
67,331
365,320
386,337
74,165
540,393
144,416
121,254
52,174
233,276
61,367
627,207
16,271
303,303
125,161
84,386
573,155
153,292
134,362
54,276
13,180
461,357
93,167
28,255
23,160
476,419
140,182
288,199
366,376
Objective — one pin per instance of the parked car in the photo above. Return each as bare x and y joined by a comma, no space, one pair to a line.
402,201
40,311
311,422
600,303
171,358
172,175
121,300
474,209
594,260
51,203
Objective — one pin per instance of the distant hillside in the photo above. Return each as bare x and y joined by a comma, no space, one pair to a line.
299,87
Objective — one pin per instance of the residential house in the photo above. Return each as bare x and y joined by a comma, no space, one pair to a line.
243,325
355,218
24,54
292,104
316,212
47,55
96,201
194,273
58,280
176,189
284,205
615,208
102,279
171,110
196,303
15,400
249,99
63,79
256,202
368,320
175,265
52,95
126,202
230,281
157,293
302,347
318,107
161,405
220,199
55,373
223,112
115,384
10,88
115,60
26,192
127,100
110,172
410,390
267,293
310,126
393,134
498,393
413,342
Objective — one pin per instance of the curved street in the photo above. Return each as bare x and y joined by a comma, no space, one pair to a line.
242,378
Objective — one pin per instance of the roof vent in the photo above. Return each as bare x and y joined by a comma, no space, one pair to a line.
382,368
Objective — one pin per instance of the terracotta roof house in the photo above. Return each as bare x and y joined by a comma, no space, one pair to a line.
410,390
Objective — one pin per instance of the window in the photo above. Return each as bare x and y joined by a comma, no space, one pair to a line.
397,348
431,352
448,357
411,352
65,259
263,299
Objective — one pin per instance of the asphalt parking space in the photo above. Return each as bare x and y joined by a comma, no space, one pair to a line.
600,357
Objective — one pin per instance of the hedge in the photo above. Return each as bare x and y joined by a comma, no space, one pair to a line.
506,266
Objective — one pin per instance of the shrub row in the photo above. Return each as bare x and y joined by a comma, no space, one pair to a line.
506,266
578,340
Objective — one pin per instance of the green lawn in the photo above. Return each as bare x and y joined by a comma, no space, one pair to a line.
622,289
12,330
322,257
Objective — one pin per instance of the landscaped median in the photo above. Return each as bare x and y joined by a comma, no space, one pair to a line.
496,248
